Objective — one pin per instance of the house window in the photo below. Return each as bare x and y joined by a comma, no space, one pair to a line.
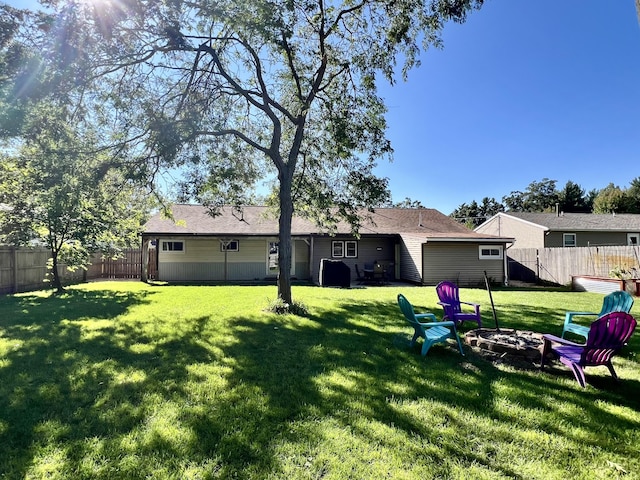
344,249
633,239
490,252
568,239
173,247
337,249
229,245
273,254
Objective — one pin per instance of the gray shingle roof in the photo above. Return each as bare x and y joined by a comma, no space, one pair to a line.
254,220
582,221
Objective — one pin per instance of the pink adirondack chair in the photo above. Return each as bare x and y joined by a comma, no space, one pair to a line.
607,335
449,296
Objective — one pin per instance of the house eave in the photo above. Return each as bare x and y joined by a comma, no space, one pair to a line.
470,240
220,234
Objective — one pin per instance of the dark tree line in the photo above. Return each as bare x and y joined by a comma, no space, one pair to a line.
544,196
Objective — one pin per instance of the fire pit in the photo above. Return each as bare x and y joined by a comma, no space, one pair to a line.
520,343
505,345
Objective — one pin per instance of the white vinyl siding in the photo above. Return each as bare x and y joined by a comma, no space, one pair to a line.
202,260
208,250
411,267
459,263
526,234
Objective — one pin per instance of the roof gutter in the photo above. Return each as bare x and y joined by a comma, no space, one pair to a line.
470,240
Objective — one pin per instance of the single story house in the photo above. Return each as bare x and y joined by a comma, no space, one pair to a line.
422,246
541,230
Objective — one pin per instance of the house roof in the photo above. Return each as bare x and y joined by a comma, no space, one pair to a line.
624,222
425,223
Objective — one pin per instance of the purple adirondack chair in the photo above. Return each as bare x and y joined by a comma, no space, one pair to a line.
607,335
449,296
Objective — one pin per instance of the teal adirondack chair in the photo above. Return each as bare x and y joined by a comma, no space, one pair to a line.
618,301
432,332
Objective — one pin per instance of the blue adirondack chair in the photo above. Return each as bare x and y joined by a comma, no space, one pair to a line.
449,296
618,301
607,335
432,331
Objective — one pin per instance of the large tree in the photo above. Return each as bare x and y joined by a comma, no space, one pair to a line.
237,91
58,192
611,199
408,203
539,196
572,198
474,214
633,196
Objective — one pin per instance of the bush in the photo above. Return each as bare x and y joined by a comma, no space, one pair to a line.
280,307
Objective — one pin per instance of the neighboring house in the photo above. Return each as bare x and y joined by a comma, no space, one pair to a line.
540,230
417,245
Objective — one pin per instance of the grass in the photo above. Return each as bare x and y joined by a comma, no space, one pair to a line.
124,380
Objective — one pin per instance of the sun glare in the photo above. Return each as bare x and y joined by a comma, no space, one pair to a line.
106,13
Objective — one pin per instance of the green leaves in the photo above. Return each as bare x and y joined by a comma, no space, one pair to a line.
227,86
60,192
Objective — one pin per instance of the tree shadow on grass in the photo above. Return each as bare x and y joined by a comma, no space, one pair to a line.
69,385
333,367
71,305
272,394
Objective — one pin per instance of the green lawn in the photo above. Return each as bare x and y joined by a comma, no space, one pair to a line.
124,380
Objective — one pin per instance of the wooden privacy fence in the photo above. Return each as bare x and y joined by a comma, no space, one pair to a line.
25,269
558,265
127,265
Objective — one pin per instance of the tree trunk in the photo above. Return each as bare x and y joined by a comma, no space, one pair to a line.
144,267
57,283
284,234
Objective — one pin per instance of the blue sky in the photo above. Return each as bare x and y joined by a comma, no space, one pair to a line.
524,90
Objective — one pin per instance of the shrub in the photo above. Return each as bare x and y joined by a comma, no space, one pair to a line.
280,307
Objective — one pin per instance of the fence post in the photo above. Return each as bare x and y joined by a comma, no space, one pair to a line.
537,265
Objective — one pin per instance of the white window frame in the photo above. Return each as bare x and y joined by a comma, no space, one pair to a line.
337,249
344,249
351,245
227,245
569,244
165,243
490,255
633,239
